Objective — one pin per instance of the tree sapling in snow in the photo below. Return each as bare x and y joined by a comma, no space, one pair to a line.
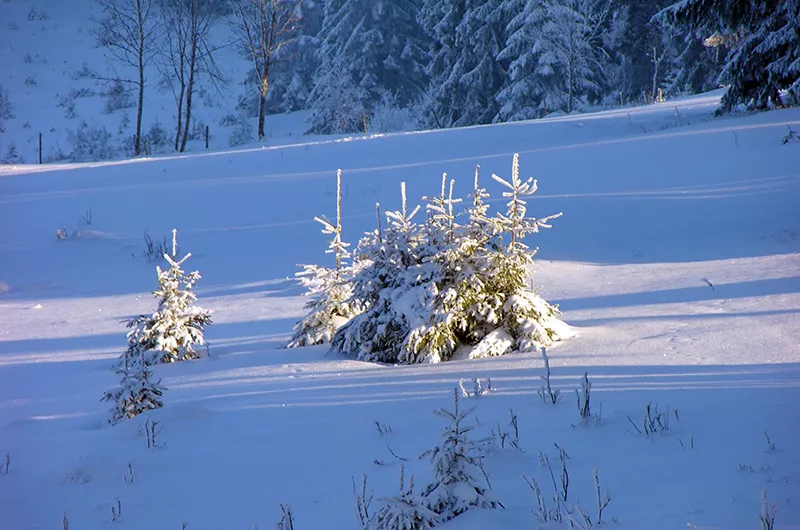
174,330
459,481
136,392
330,291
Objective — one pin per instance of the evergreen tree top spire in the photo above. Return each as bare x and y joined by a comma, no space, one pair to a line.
402,220
172,259
336,246
514,221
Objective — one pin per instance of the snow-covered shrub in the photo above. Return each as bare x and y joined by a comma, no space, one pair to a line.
241,134
137,392
5,105
177,326
36,14
124,122
68,102
82,92
434,289
338,105
228,120
56,154
84,72
387,116
90,143
331,304
12,156
117,97
5,108
198,131
154,139
459,482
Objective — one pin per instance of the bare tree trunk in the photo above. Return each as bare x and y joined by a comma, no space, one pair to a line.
262,100
264,27
137,140
189,92
187,121
180,116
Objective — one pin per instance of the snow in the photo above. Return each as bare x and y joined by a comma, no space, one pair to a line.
675,263
497,342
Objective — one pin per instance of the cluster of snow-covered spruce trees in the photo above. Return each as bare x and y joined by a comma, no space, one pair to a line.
458,284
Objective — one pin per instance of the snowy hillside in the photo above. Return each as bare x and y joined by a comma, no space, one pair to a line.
676,261
56,77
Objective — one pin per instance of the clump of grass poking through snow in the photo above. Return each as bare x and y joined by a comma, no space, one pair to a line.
511,438
654,421
584,397
546,392
154,250
770,444
768,510
286,521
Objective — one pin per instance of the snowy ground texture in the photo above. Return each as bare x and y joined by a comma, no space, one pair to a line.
676,261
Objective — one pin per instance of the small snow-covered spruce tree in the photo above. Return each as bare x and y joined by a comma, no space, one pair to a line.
386,283
137,392
433,336
531,321
178,324
459,481
331,304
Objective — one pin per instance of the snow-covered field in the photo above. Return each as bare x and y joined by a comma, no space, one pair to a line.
676,261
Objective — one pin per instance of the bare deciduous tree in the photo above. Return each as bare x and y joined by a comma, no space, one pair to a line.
188,55
265,28
128,31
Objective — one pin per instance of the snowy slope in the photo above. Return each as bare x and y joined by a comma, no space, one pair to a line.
654,211
57,77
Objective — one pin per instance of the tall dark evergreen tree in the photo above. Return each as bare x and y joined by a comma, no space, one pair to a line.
466,39
367,47
764,42
696,66
561,55
646,49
